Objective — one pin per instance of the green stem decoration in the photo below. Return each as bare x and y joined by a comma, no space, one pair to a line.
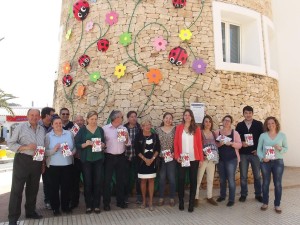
191,50
149,97
135,60
78,44
96,40
202,6
187,89
139,1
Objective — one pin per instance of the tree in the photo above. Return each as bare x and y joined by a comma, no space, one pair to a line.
3,101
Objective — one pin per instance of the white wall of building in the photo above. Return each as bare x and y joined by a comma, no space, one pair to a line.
286,19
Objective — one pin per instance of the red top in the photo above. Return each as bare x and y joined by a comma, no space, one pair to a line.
197,143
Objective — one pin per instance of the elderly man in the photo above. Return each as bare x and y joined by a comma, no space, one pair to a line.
77,168
45,122
116,137
24,141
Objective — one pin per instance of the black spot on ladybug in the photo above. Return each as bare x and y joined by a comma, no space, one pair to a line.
102,44
103,49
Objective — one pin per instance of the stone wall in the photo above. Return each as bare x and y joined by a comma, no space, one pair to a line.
222,92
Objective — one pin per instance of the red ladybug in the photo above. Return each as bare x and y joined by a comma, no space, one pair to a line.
84,61
81,9
103,45
67,80
178,56
179,3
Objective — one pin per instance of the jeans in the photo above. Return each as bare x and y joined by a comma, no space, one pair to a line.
244,166
227,171
167,170
276,168
209,167
193,170
92,172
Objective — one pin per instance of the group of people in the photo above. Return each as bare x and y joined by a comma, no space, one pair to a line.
136,153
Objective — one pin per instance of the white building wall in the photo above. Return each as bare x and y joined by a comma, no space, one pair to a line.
286,19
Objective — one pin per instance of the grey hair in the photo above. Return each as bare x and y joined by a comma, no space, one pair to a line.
114,115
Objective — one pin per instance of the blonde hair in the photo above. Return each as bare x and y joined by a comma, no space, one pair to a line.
90,114
146,121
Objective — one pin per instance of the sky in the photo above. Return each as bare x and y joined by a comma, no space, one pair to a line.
29,52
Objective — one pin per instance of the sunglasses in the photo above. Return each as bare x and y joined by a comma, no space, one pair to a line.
65,114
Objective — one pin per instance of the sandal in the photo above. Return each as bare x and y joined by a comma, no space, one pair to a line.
143,206
160,202
151,208
172,202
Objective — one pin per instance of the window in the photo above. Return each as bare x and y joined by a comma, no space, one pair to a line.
230,42
238,41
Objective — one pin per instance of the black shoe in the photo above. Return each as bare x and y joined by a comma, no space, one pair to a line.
259,198
122,205
220,199
67,211
97,210
106,208
34,216
191,208
73,206
56,212
88,211
13,223
181,205
242,198
230,203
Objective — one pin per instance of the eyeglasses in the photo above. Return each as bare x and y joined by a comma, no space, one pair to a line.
65,114
227,121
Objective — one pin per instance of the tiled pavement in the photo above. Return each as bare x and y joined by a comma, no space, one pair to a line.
240,213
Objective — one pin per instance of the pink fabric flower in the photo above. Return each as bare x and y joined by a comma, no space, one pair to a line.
160,44
112,18
89,26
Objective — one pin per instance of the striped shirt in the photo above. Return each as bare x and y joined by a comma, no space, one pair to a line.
25,135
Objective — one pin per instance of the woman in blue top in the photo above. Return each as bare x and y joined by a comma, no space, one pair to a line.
60,165
92,158
276,142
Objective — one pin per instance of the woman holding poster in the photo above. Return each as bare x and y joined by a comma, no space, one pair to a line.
271,146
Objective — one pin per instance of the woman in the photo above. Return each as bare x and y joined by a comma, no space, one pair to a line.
229,143
211,159
188,149
166,133
60,166
147,148
92,161
276,139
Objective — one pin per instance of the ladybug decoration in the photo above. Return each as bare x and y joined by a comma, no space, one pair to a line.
179,3
178,56
81,9
67,80
84,61
103,45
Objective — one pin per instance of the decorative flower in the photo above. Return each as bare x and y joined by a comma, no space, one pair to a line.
199,66
185,34
68,34
67,68
112,18
80,91
120,70
154,76
89,26
125,38
94,76
159,44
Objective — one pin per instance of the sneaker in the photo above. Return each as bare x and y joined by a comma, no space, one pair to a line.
264,207
161,202
172,202
212,201
278,209
259,198
48,206
242,198
230,203
220,199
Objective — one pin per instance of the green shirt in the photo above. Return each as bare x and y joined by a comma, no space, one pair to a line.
93,156
265,140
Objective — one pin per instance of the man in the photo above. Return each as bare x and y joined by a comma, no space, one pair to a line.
64,114
115,159
24,141
77,168
45,121
131,160
253,128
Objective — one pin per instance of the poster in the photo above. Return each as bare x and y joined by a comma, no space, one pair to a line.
198,110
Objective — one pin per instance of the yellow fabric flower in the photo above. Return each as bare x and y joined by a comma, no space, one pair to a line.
185,34
120,70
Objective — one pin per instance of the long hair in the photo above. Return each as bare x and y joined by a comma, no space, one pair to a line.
210,120
193,125
162,122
